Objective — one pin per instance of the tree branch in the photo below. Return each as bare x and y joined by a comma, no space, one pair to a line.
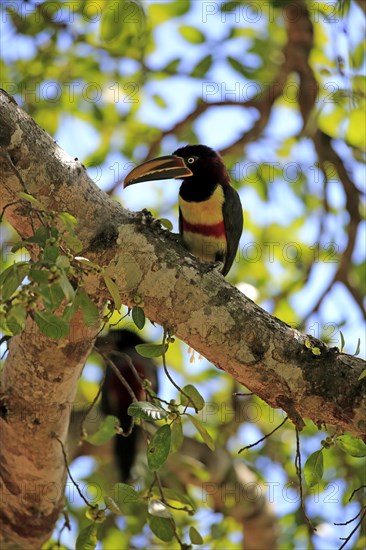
179,293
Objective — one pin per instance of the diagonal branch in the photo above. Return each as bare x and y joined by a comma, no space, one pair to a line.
199,306
326,153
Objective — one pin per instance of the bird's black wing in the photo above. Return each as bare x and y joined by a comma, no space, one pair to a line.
233,219
118,345
180,223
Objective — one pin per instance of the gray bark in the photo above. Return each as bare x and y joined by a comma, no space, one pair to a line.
178,292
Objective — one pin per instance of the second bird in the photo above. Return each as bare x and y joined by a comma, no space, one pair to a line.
210,212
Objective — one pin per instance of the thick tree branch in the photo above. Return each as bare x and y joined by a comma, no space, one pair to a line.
199,306
38,386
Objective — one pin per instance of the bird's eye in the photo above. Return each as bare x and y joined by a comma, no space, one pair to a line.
191,160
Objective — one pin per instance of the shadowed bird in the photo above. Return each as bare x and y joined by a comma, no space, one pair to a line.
210,212
116,399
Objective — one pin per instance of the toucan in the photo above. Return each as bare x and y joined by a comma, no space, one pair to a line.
119,346
210,211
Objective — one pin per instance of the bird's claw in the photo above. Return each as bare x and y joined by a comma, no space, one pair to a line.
217,266
174,237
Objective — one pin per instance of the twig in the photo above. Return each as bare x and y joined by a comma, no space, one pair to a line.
69,473
65,525
124,383
117,373
128,360
5,207
350,520
264,437
347,539
119,320
299,477
355,491
87,411
7,157
168,374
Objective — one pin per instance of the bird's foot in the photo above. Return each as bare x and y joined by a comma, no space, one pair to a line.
174,237
145,216
214,266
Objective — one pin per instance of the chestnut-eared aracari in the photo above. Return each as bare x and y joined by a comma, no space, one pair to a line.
117,345
210,212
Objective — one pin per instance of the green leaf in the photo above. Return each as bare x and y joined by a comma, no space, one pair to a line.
202,431
87,538
70,310
229,6
163,528
316,351
15,319
68,220
30,198
158,509
88,308
362,375
166,223
110,26
52,296
173,65
358,55
12,277
192,34
87,262
67,288
40,236
355,136
73,243
314,468
113,291
177,496
202,67
195,536
146,411
351,445
358,347
342,340
177,435
50,325
54,232
160,101
112,505
51,253
39,276
105,432
159,447
160,12
63,262
237,66
124,494
195,400
151,350
138,317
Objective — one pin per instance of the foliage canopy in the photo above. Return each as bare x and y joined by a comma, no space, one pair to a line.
278,88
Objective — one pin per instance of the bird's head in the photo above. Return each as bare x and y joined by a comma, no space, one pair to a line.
195,164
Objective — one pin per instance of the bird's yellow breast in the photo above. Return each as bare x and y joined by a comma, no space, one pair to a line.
207,212
203,229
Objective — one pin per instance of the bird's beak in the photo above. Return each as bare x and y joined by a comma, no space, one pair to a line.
161,168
